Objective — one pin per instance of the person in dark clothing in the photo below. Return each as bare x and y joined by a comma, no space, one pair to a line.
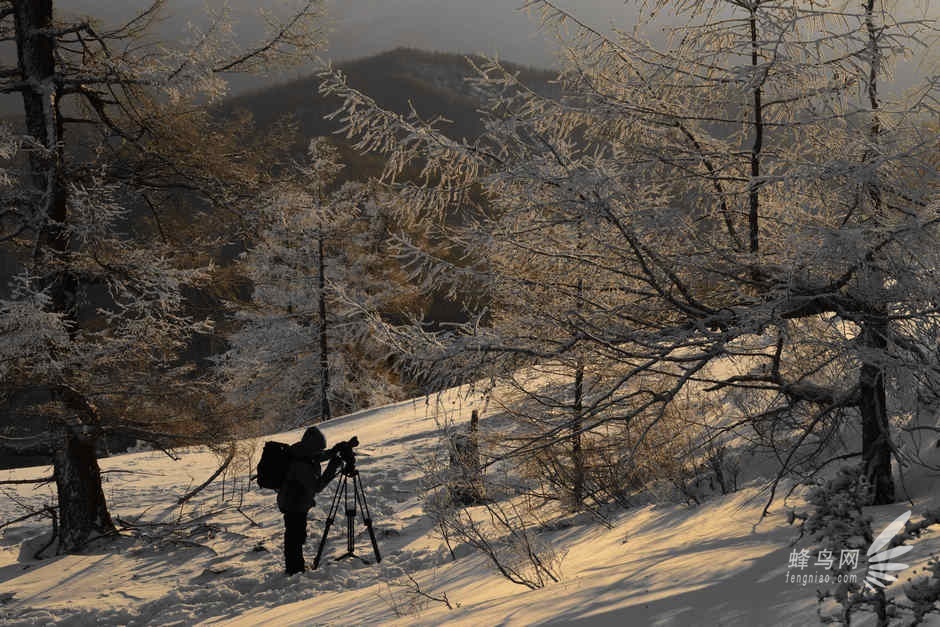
296,496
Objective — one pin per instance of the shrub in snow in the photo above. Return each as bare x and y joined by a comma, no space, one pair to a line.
837,520
838,523
507,533
504,526
924,592
405,596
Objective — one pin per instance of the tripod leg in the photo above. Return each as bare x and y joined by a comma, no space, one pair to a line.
351,520
366,516
334,507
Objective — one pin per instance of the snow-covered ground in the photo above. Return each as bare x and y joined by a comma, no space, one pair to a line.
217,559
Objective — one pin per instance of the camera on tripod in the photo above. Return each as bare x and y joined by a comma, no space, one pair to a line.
344,450
354,500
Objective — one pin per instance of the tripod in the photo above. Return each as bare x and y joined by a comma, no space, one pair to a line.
350,501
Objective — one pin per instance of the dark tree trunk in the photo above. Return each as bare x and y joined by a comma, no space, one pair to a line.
876,435
753,186
36,63
577,424
577,408
83,512
325,411
577,417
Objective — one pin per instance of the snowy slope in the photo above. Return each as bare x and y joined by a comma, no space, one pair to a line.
217,560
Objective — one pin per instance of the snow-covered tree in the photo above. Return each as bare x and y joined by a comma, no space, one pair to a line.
116,126
742,219
303,351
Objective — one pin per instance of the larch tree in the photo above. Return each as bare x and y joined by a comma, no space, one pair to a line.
117,126
739,230
318,258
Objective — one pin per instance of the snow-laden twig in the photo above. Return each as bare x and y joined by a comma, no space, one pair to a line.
215,475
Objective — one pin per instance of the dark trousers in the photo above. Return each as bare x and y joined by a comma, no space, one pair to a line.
295,534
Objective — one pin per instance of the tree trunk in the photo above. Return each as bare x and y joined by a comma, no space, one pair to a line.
82,508
577,452
36,63
876,436
83,513
577,418
325,412
753,186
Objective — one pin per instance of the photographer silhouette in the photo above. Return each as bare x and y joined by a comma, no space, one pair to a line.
302,481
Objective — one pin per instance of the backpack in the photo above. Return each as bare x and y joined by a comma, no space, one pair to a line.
272,467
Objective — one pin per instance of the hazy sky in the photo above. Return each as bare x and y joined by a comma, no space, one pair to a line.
365,27
486,26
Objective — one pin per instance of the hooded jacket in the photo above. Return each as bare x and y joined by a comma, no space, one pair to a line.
302,480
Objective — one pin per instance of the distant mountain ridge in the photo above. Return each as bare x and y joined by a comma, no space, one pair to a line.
433,82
